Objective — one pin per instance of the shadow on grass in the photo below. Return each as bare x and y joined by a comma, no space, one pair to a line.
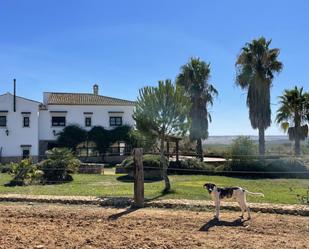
214,222
127,178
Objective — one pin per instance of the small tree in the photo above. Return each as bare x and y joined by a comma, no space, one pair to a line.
243,148
293,115
162,111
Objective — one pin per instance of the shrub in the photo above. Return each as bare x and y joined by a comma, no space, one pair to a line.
152,162
71,136
25,173
190,166
287,168
5,168
243,148
149,162
59,164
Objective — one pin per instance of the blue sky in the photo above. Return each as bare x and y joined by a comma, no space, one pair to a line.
124,45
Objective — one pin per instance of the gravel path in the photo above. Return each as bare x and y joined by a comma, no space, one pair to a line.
159,203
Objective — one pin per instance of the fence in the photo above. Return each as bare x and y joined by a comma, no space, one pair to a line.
186,182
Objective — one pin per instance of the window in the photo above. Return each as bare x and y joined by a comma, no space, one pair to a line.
2,121
58,121
115,121
88,122
26,122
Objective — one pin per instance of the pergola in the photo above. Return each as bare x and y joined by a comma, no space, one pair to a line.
173,139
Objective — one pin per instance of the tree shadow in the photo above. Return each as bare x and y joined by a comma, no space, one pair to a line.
161,195
125,212
128,178
214,222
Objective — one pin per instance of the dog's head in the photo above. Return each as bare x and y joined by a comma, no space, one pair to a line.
210,187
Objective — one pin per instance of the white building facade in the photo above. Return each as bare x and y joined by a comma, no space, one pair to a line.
19,120
57,111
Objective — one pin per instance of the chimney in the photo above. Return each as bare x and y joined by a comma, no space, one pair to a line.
95,89
14,101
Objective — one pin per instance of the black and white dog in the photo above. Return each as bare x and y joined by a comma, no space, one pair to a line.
238,193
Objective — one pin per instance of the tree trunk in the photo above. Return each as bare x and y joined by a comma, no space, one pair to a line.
261,141
297,146
297,130
164,167
199,149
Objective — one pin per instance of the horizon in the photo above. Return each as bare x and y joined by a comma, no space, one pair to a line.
56,46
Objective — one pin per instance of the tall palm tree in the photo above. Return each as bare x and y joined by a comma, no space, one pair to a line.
293,114
256,66
194,78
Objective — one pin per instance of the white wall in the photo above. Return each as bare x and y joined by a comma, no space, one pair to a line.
18,135
75,115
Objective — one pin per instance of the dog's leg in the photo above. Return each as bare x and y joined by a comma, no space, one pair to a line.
247,207
241,205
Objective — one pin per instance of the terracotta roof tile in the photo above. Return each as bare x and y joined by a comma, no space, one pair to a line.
85,99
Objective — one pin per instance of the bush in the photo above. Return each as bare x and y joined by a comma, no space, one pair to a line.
149,162
243,149
152,163
5,168
58,166
25,173
287,168
190,166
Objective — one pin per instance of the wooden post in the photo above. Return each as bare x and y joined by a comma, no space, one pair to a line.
138,178
177,151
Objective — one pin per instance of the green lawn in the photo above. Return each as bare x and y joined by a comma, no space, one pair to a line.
184,187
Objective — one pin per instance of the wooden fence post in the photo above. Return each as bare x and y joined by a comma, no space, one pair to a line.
138,178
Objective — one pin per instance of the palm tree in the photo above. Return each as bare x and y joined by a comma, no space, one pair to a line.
194,78
293,115
256,66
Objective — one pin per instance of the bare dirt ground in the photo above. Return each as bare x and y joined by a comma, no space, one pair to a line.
60,226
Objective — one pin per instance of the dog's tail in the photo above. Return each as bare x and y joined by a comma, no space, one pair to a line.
257,194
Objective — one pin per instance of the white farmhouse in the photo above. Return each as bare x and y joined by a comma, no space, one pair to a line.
33,127
19,120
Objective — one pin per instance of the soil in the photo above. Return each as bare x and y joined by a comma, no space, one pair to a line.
67,226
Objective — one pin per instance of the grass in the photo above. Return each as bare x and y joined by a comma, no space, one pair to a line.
184,187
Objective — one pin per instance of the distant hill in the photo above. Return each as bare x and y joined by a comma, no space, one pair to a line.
225,140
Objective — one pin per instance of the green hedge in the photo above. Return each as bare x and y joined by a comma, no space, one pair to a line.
272,168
